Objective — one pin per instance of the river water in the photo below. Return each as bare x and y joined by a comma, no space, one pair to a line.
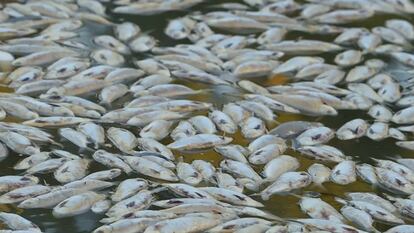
361,150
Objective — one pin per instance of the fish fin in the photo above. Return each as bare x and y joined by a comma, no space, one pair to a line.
295,195
340,200
394,157
295,144
311,194
389,197
255,195
107,220
159,189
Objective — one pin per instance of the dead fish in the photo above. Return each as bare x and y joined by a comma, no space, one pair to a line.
157,130
389,35
272,35
77,204
237,24
111,93
74,136
18,223
265,140
328,225
286,183
206,169
223,121
266,153
404,116
232,197
314,136
365,90
323,153
139,201
369,41
183,129
203,124
312,106
21,194
43,57
240,169
123,139
344,173
258,109
238,224
400,229
314,70
348,58
66,67
185,224
9,183
111,43
344,16
23,75
380,113
34,159
377,213
128,187
292,128
390,92
236,112
149,168
187,173
352,129
142,43
168,90
251,69
252,127
296,63
146,118
350,35
397,134
149,144
72,170
278,166
378,131
18,143
318,209
126,31
227,181
403,27
93,132
111,160
179,28
233,152
367,173
393,181
150,81
303,47
406,144
199,141
104,175
319,173
108,57
358,217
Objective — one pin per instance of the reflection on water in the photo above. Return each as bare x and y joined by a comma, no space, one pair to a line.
284,206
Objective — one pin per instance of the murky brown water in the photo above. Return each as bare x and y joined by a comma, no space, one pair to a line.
284,206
